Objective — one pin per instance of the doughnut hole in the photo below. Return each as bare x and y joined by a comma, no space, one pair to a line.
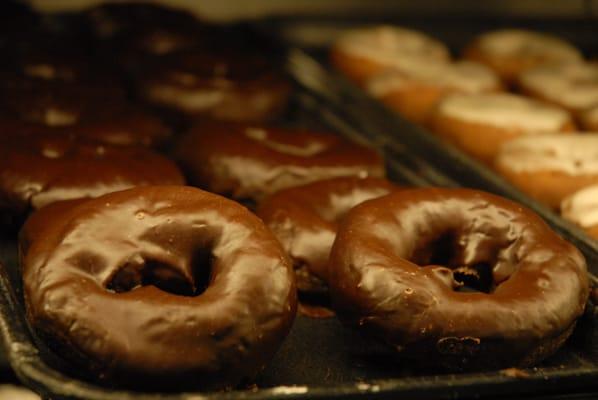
164,276
447,252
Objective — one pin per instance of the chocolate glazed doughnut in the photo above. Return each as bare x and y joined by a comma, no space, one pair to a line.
158,287
397,261
232,86
305,219
248,162
92,112
39,170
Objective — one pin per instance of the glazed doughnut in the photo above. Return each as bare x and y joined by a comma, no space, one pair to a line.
511,51
39,170
248,162
159,286
92,112
304,219
581,208
415,94
589,119
550,167
573,86
365,52
221,85
398,260
479,123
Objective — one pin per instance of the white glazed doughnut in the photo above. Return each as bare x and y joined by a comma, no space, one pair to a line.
550,167
463,76
415,93
570,85
581,208
510,51
480,123
364,52
506,111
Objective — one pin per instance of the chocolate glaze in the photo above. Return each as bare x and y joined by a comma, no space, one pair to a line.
228,85
305,218
30,107
250,161
38,170
393,274
92,279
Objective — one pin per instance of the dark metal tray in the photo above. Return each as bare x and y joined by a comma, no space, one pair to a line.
320,359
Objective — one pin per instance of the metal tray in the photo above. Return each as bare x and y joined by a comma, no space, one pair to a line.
320,359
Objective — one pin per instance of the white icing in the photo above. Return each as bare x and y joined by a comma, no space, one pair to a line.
581,207
575,85
393,47
505,111
57,117
465,76
308,150
573,154
185,99
518,42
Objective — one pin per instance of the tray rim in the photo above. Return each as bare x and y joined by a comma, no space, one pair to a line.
36,374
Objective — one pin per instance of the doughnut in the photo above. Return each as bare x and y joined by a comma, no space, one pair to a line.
39,170
511,51
365,52
581,208
589,119
157,287
456,278
221,85
479,123
415,94
573,86
550,167
304,219
92,112
248,162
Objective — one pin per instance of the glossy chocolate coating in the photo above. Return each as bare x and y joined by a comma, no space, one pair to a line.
305,218
92,280
398,259
249,162
227,85
94,112
39,170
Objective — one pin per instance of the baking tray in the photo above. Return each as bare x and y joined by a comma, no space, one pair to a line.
320,359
